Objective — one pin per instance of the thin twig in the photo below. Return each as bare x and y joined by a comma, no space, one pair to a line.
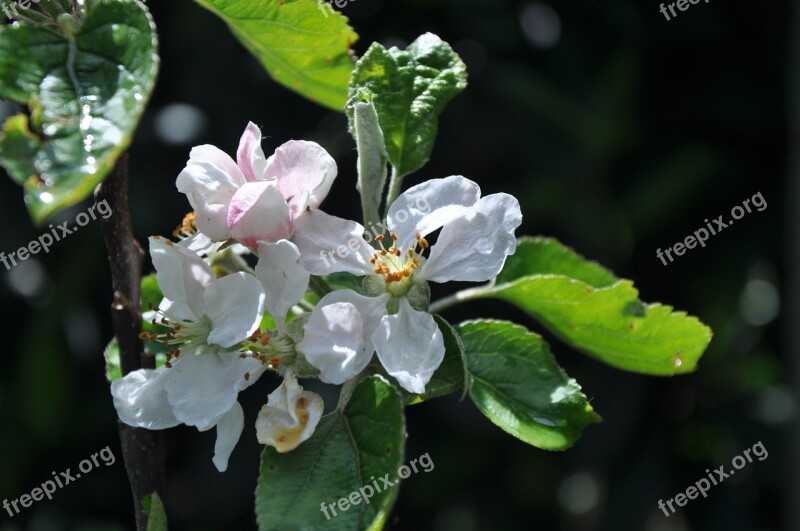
142,450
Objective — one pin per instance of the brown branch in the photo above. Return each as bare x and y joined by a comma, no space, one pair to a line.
142,450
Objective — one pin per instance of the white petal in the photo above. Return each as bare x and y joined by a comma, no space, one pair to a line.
284,279
250,156
141,401
203,388
305,173
329,244
182,275
410,347
175,310
474,248
338,334
198,243
234,304
289,417
229,429
209,181
427,206
258,212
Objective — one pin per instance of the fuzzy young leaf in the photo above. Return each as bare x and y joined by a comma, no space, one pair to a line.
410,89
301,43
347,449
590,309
86,93
516,383
372,157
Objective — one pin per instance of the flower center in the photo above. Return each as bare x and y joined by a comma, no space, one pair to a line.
397,266
183,335
270,348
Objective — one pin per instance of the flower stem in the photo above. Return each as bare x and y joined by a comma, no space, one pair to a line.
395,184
347,391
459,297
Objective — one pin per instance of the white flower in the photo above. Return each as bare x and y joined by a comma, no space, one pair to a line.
200,383
289,417
200,308
346,328
257,199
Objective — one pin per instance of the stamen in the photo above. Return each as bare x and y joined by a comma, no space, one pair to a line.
187,227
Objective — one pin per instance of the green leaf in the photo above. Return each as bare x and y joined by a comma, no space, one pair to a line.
156,515
372,157
451,374
516,383
18,147
410,89
302,44
344,280
86,94
113,365
546,256
347,449
151,292
590,309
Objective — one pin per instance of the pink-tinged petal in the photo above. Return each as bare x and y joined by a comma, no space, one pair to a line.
250,156
290,416
182,275
284,279
229,429
329,244
474,248
235,305
141,401
209,180
258,212
410,347
305,173
428,206
338,336
203,388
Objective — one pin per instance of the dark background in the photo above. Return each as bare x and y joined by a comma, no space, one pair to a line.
619,131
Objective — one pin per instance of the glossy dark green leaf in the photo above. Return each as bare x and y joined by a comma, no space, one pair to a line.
516,383
86,92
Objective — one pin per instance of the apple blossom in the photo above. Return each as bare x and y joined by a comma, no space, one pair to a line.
477,234
218,347
255,198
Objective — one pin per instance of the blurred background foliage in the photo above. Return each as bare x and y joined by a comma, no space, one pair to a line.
618,131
